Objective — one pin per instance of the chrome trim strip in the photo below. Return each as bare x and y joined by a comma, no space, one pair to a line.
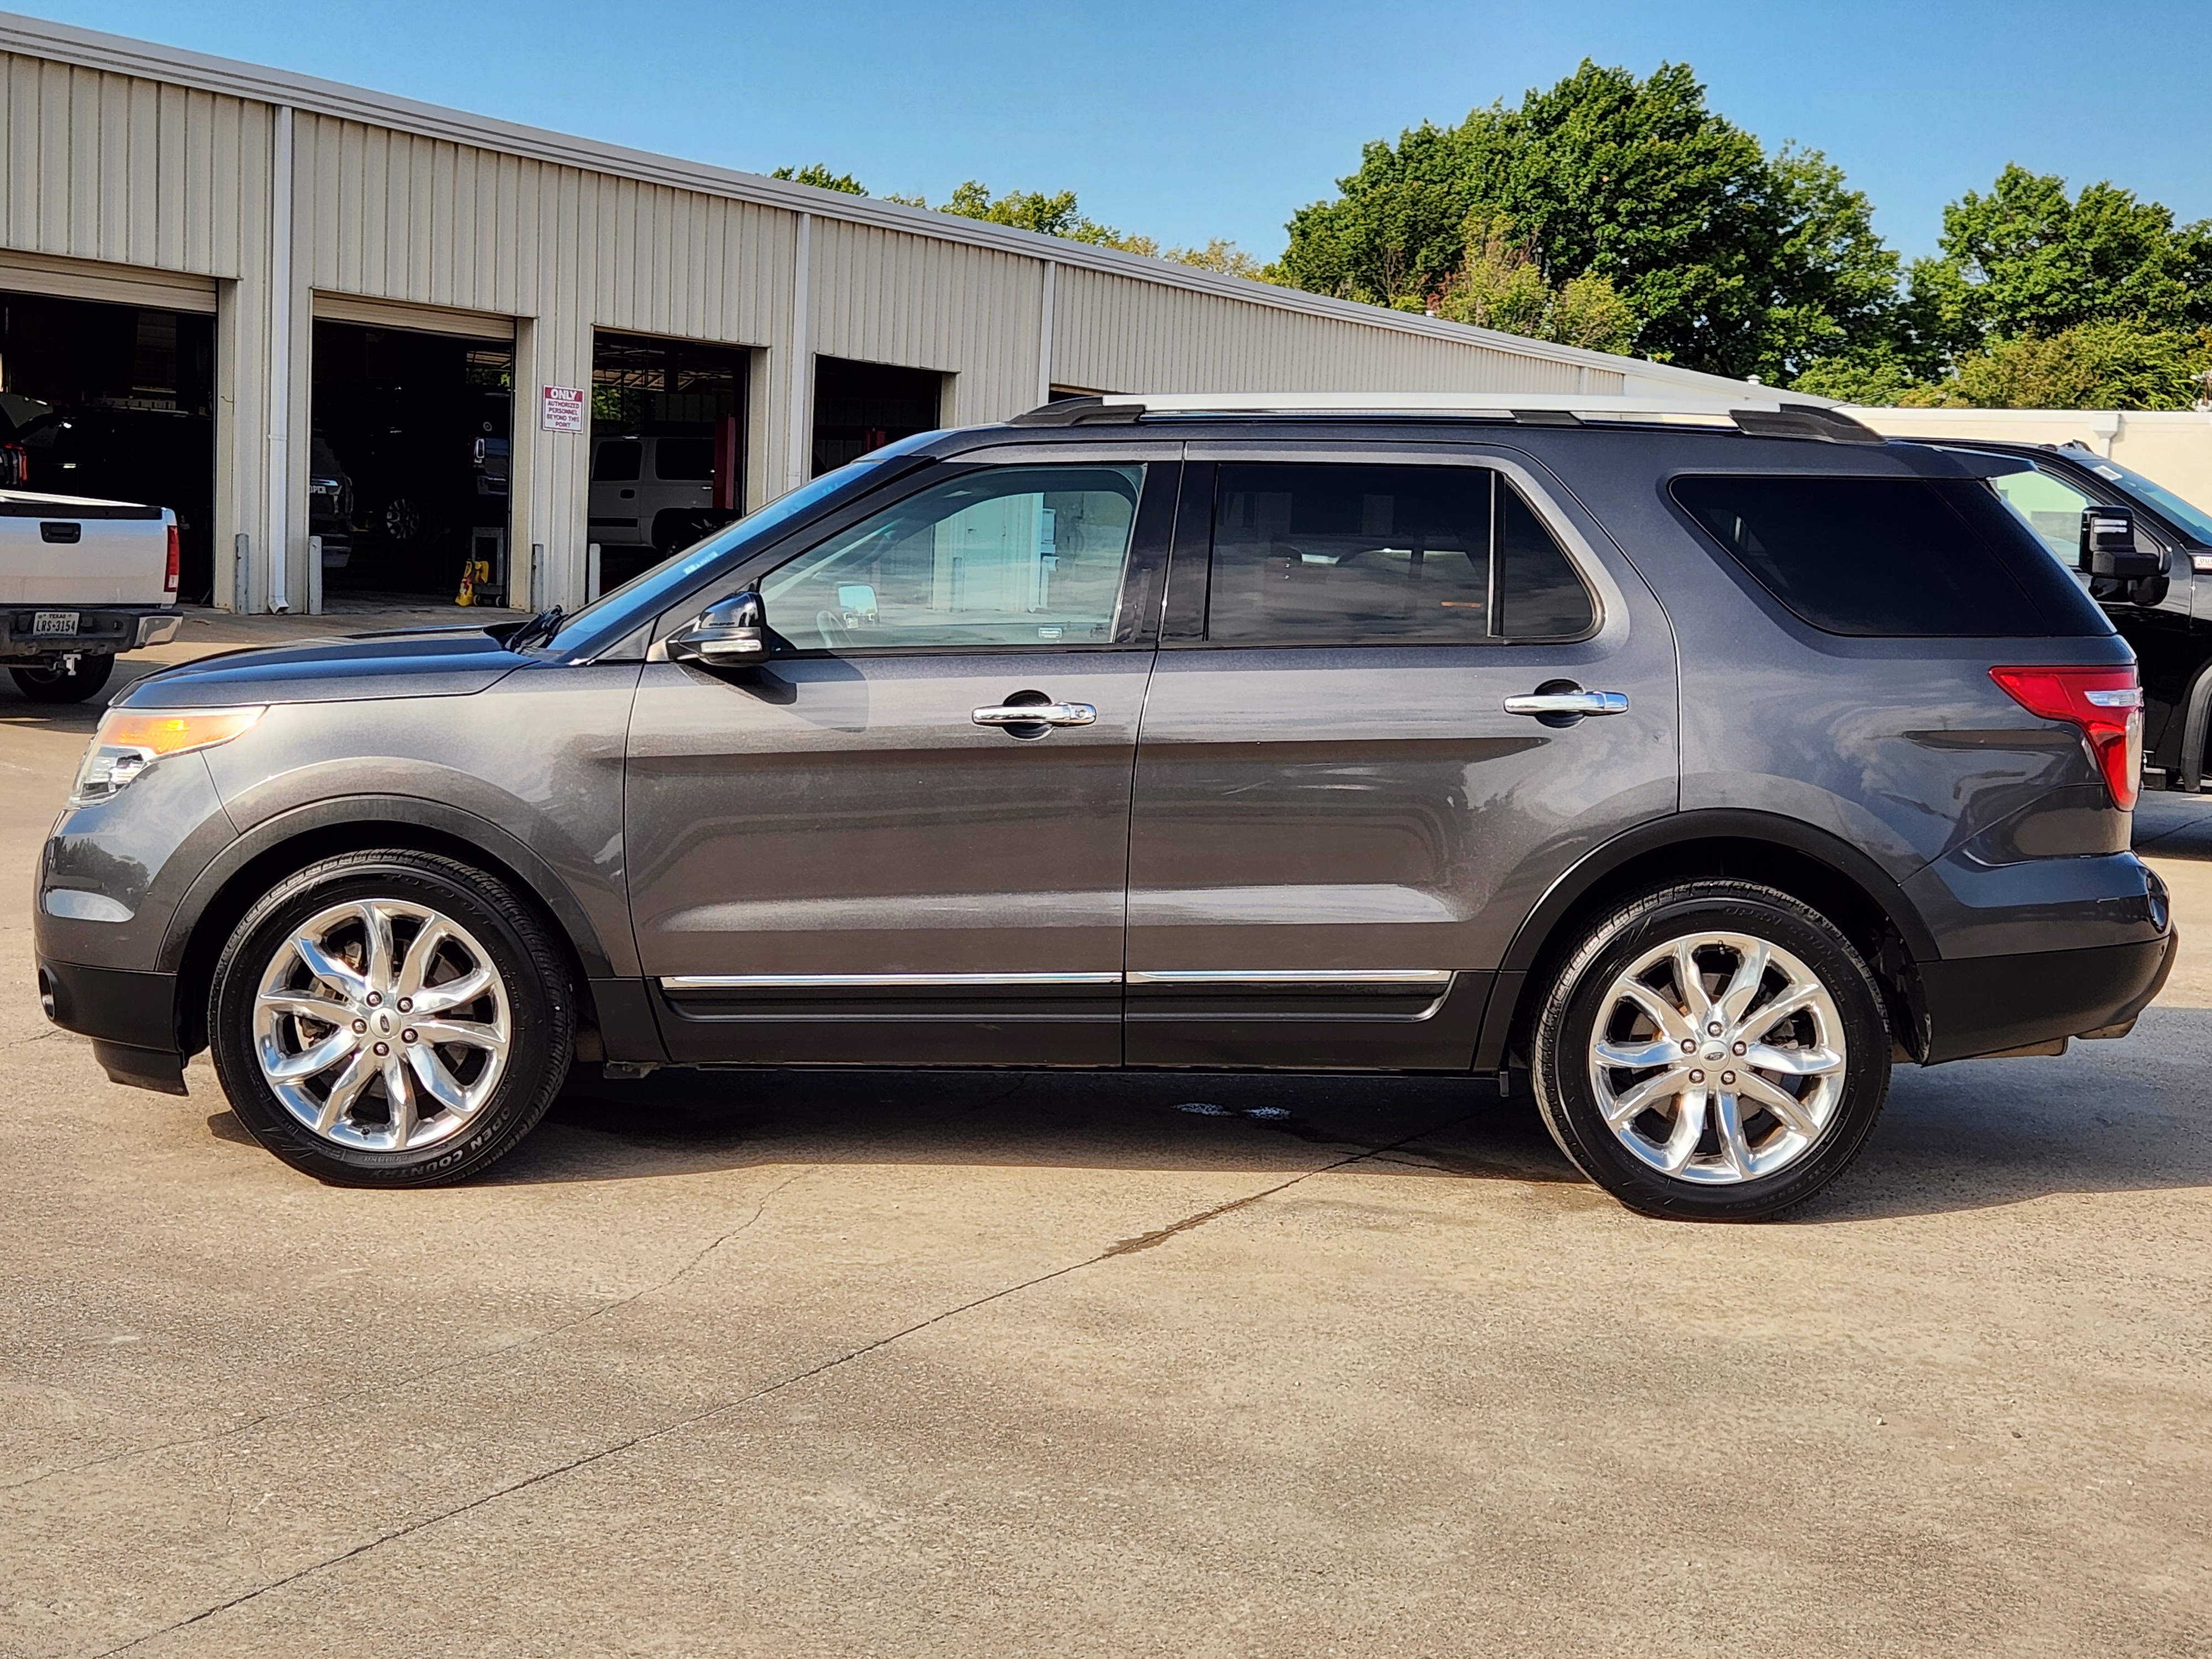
677,982
1205,977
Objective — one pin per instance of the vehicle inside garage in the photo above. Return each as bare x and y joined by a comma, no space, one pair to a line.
408,463
117,402
859,407
668,448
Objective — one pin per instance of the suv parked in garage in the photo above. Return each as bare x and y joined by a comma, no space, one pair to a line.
1699,769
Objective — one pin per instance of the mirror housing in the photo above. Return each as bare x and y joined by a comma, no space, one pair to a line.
730,633
2109,548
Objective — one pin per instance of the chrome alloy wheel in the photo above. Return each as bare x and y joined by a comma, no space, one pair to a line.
381,1025
1718,1058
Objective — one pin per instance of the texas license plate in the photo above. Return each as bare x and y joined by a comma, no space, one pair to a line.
53,622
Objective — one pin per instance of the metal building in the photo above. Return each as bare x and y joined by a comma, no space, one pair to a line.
307,298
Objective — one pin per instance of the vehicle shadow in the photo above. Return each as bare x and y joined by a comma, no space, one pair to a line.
2122,1116
678,1122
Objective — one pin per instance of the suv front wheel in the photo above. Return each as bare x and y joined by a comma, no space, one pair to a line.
391,1020
1711,1051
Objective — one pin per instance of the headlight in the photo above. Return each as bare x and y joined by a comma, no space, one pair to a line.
129,740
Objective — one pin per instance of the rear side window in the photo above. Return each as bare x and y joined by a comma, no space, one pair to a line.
1891,557
616,460
1347,554
686,459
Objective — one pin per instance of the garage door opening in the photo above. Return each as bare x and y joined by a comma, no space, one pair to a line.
668,448
116,402
859,407
409,464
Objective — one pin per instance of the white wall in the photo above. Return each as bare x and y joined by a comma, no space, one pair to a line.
2174,447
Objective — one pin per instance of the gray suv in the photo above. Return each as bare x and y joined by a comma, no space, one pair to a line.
1695,762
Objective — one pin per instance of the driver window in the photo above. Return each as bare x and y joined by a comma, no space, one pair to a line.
1011,556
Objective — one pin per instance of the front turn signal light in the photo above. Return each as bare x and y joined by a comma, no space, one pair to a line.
129,740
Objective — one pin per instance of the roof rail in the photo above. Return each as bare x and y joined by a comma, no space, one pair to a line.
1759,417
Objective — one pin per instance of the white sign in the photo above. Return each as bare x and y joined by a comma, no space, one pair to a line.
562,408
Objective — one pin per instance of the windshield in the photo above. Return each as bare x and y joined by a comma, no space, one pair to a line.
649,592
2192,520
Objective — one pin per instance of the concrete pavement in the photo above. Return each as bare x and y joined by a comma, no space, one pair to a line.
981,1364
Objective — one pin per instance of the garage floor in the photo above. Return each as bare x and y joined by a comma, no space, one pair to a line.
974,1363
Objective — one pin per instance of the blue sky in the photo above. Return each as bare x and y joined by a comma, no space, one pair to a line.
1190,120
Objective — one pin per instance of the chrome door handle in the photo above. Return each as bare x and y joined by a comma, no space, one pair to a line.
1568,702
1036,713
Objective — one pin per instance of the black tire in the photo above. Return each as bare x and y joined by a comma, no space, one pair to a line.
54,682
1582,991
519,949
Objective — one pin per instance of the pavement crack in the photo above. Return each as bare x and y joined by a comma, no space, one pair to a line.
535,1337
689,1419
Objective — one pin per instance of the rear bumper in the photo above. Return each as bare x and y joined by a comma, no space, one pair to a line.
1987,1005
102,629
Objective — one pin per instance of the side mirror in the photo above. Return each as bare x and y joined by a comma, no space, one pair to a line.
730,633
2108,545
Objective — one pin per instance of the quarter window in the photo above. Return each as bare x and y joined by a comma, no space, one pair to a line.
1903,558
1028,556
1330,555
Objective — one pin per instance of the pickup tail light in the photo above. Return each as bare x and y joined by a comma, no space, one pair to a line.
2104,704
176,562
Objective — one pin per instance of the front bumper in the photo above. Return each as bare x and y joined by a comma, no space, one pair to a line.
1988,1005
131,1019
102,630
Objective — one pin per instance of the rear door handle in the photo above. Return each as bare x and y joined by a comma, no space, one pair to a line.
1036,713
1568,702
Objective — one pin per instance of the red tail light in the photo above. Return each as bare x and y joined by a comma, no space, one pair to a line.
169,577
2105,704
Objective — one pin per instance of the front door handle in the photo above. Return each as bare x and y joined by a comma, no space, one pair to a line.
1036,713
1568,702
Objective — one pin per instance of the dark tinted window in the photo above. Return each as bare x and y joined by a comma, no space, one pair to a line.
1894,558
1324,554
684,458
615,460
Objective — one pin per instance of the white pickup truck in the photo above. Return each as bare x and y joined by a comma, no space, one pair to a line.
79,581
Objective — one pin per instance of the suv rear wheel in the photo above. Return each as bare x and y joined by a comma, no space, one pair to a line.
1713,1051
391,1020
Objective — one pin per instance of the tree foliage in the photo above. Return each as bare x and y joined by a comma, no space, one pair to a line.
2105,364
815,173
1729,259
1500,284
1057,214
2038,300
2024,259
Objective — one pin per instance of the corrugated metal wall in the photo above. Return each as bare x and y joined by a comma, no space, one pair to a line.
1113,334
972,312
136,173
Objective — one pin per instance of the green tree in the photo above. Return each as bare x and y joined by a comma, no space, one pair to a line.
815,173
2025,259
2112,363
1729,259
1500,284
1054,215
